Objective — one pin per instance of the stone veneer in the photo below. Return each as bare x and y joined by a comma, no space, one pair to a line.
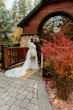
24,40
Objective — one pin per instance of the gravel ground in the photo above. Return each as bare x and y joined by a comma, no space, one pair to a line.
58,104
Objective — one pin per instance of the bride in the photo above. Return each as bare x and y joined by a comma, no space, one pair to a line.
31,62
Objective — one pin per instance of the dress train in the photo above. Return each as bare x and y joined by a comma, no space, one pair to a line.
28,64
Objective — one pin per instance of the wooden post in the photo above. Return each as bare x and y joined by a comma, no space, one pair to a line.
41,60
5,62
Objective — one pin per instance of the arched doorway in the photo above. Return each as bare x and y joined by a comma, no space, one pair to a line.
56,22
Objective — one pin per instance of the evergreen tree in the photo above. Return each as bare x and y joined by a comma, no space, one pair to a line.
14,12
36,2
18,10
21,9
5,21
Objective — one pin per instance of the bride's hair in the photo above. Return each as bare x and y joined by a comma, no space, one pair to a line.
31,40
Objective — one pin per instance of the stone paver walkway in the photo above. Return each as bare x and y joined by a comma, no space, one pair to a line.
20,94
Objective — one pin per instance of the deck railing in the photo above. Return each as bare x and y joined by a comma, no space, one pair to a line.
12,55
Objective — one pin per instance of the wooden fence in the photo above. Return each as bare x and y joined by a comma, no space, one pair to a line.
12,55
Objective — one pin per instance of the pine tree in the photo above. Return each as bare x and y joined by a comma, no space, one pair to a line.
18,10
36,2
14,11
21,9
5,21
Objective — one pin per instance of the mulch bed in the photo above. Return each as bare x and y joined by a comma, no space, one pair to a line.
57,104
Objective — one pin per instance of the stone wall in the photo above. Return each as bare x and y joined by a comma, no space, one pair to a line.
24,40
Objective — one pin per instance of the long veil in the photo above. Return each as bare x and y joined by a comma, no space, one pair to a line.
29,41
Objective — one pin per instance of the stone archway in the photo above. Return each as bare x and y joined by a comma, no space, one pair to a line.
56,22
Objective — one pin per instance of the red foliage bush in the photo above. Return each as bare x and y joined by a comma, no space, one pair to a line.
60,53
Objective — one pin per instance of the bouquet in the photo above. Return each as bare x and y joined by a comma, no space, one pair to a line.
32,57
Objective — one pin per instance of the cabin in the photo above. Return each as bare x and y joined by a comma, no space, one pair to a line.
49,16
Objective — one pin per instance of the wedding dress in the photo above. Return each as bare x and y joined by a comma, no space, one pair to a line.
28,64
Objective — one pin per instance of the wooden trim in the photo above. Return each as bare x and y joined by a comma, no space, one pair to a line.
4,56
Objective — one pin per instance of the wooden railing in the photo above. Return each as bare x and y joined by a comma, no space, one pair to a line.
12,55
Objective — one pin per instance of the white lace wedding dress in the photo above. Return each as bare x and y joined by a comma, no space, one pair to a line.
28,64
